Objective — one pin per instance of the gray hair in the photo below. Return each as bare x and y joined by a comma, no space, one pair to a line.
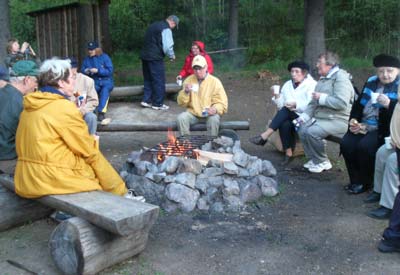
54,70
331,58
17,79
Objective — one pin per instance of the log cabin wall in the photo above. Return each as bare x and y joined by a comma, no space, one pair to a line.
65,30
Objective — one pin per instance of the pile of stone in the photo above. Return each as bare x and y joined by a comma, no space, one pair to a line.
186,184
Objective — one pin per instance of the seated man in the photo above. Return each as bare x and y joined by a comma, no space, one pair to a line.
23,81
4,76
205,99
386,183
85,96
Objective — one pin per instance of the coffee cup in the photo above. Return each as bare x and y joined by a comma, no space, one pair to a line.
374,98
276,89
179,82
195,87
388,143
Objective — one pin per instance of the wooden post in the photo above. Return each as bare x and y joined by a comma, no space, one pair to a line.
79,247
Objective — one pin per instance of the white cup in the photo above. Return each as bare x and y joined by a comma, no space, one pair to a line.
179,82
374,98
276,89
195,88
388,143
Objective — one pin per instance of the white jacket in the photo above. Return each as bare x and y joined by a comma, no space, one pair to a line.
301,95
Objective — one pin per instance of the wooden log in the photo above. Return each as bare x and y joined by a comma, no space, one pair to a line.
138,90
79,247
164,126
205,156
16,210
113,213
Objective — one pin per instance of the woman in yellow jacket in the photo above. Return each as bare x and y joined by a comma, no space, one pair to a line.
56,154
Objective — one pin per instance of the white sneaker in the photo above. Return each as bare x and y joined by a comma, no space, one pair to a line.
308,164
318,168
131,196
145,104
162,107
105,121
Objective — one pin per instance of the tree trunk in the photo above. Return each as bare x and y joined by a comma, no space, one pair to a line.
233,23
314,31
5,28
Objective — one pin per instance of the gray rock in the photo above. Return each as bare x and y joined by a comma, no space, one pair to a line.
141,167
221,150
207,146
243,172
213,171
190,166
202,185
215,181
170,206
134,156
230,168
187,179
269,186
215,163
228,150
231,187
123,174
268,169
249,192
153,192
217,207
254,167
222,142
233,203
169,178
241,158
170,165
159,177
236,147
129,167
152,167
184,196
211,194
202,204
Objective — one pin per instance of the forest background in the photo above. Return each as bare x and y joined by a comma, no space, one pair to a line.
271,30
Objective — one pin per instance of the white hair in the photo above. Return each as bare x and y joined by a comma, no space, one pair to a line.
56,66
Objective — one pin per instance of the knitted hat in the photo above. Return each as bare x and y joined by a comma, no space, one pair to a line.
24,68
384,60
298,64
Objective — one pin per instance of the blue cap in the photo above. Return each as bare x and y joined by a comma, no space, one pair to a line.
92,45
73,61
4,75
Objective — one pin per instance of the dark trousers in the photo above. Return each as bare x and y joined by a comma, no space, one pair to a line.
283,121
359,154
392,233
103,89
154,82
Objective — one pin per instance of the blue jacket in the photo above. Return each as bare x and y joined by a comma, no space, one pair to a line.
102,63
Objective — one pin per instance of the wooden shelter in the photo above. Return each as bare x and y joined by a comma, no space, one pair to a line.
65,30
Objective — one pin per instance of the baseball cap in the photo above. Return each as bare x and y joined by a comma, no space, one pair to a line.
92,45
24,68
199,60
4,75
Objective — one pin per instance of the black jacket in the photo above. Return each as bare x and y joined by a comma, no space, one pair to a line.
152,47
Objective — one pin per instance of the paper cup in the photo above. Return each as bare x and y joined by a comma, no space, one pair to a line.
388,143
276,89
374,98
195,87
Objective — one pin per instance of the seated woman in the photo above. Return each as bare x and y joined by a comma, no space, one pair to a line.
198,47
15,53
56,154
370,122
293,100
98,65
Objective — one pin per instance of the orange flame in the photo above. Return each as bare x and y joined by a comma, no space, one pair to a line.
175,147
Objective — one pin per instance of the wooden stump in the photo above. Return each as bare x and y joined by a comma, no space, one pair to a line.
79,247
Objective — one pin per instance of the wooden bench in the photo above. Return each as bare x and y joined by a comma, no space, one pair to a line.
170,88
107,229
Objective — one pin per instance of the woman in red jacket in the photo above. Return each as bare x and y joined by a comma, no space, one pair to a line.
197,48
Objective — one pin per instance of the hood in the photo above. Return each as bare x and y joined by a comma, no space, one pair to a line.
201,47
38,100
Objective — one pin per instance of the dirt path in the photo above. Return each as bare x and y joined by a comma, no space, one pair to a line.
313,227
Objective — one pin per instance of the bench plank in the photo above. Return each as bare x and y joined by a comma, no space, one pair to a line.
113,213
138,90
164,126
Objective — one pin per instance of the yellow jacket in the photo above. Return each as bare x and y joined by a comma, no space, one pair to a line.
56,154
211,93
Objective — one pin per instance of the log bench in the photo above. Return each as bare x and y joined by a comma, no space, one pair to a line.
170,88
107,229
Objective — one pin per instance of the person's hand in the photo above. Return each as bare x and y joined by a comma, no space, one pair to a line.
355,128
172,58
316,95
24,46
178,78
188,88
291,106
211,111
94,70
383,100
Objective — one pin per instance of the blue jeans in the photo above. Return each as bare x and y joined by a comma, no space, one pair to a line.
154,82
103,89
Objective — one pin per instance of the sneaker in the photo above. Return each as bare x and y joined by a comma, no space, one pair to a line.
130,195
145,104
386,246
308,164
162,107
318,168
105,121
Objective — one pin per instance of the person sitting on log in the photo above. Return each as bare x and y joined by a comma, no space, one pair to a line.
15,53
85,96
291,101
369,123
198,48
205,99
23,81
56,154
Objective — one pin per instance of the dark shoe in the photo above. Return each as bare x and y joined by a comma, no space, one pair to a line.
385,246
101,116
258,140
373,197
60,216
356,189
381,213
348,186
287,160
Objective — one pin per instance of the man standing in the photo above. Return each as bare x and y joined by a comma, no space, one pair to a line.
205,99
23,80
158,42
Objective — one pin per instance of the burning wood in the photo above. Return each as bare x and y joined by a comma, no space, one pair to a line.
205,156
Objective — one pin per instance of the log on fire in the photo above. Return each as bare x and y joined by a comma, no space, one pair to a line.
205,156
138,90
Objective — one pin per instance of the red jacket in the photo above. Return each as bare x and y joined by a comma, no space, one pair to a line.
187,67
